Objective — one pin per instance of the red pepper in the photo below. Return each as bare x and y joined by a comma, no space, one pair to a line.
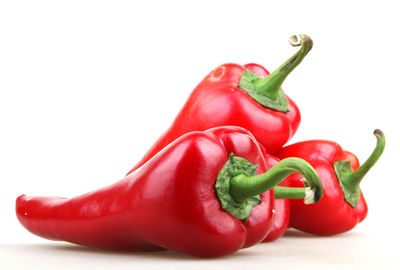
281,220
343,205
198,196
235,95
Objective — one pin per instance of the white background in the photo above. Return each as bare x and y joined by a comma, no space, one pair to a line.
87,86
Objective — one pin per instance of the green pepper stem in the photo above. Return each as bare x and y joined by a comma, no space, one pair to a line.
292,192
270,85
243,187
355,177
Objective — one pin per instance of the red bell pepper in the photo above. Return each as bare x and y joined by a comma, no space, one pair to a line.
198,196
343,205
242,96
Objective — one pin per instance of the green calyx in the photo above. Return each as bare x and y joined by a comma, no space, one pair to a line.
349,180
344,174
233,167
267,91
238,187
277,101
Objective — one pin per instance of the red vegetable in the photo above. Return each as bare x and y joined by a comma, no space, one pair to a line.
343,205
174,189
171,202
234,95
281,220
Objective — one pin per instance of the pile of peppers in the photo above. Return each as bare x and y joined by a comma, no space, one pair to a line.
220,178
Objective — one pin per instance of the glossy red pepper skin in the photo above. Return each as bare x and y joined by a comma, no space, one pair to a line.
218,101
281,220
331,215
170,202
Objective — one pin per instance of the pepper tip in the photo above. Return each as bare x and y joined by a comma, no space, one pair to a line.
378,133
310,196
295,40
301,40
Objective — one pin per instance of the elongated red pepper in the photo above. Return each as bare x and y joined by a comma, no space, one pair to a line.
343,205
171,201
241,96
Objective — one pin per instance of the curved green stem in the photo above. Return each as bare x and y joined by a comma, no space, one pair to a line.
350,180
267,91
271,84
359,174
243,187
